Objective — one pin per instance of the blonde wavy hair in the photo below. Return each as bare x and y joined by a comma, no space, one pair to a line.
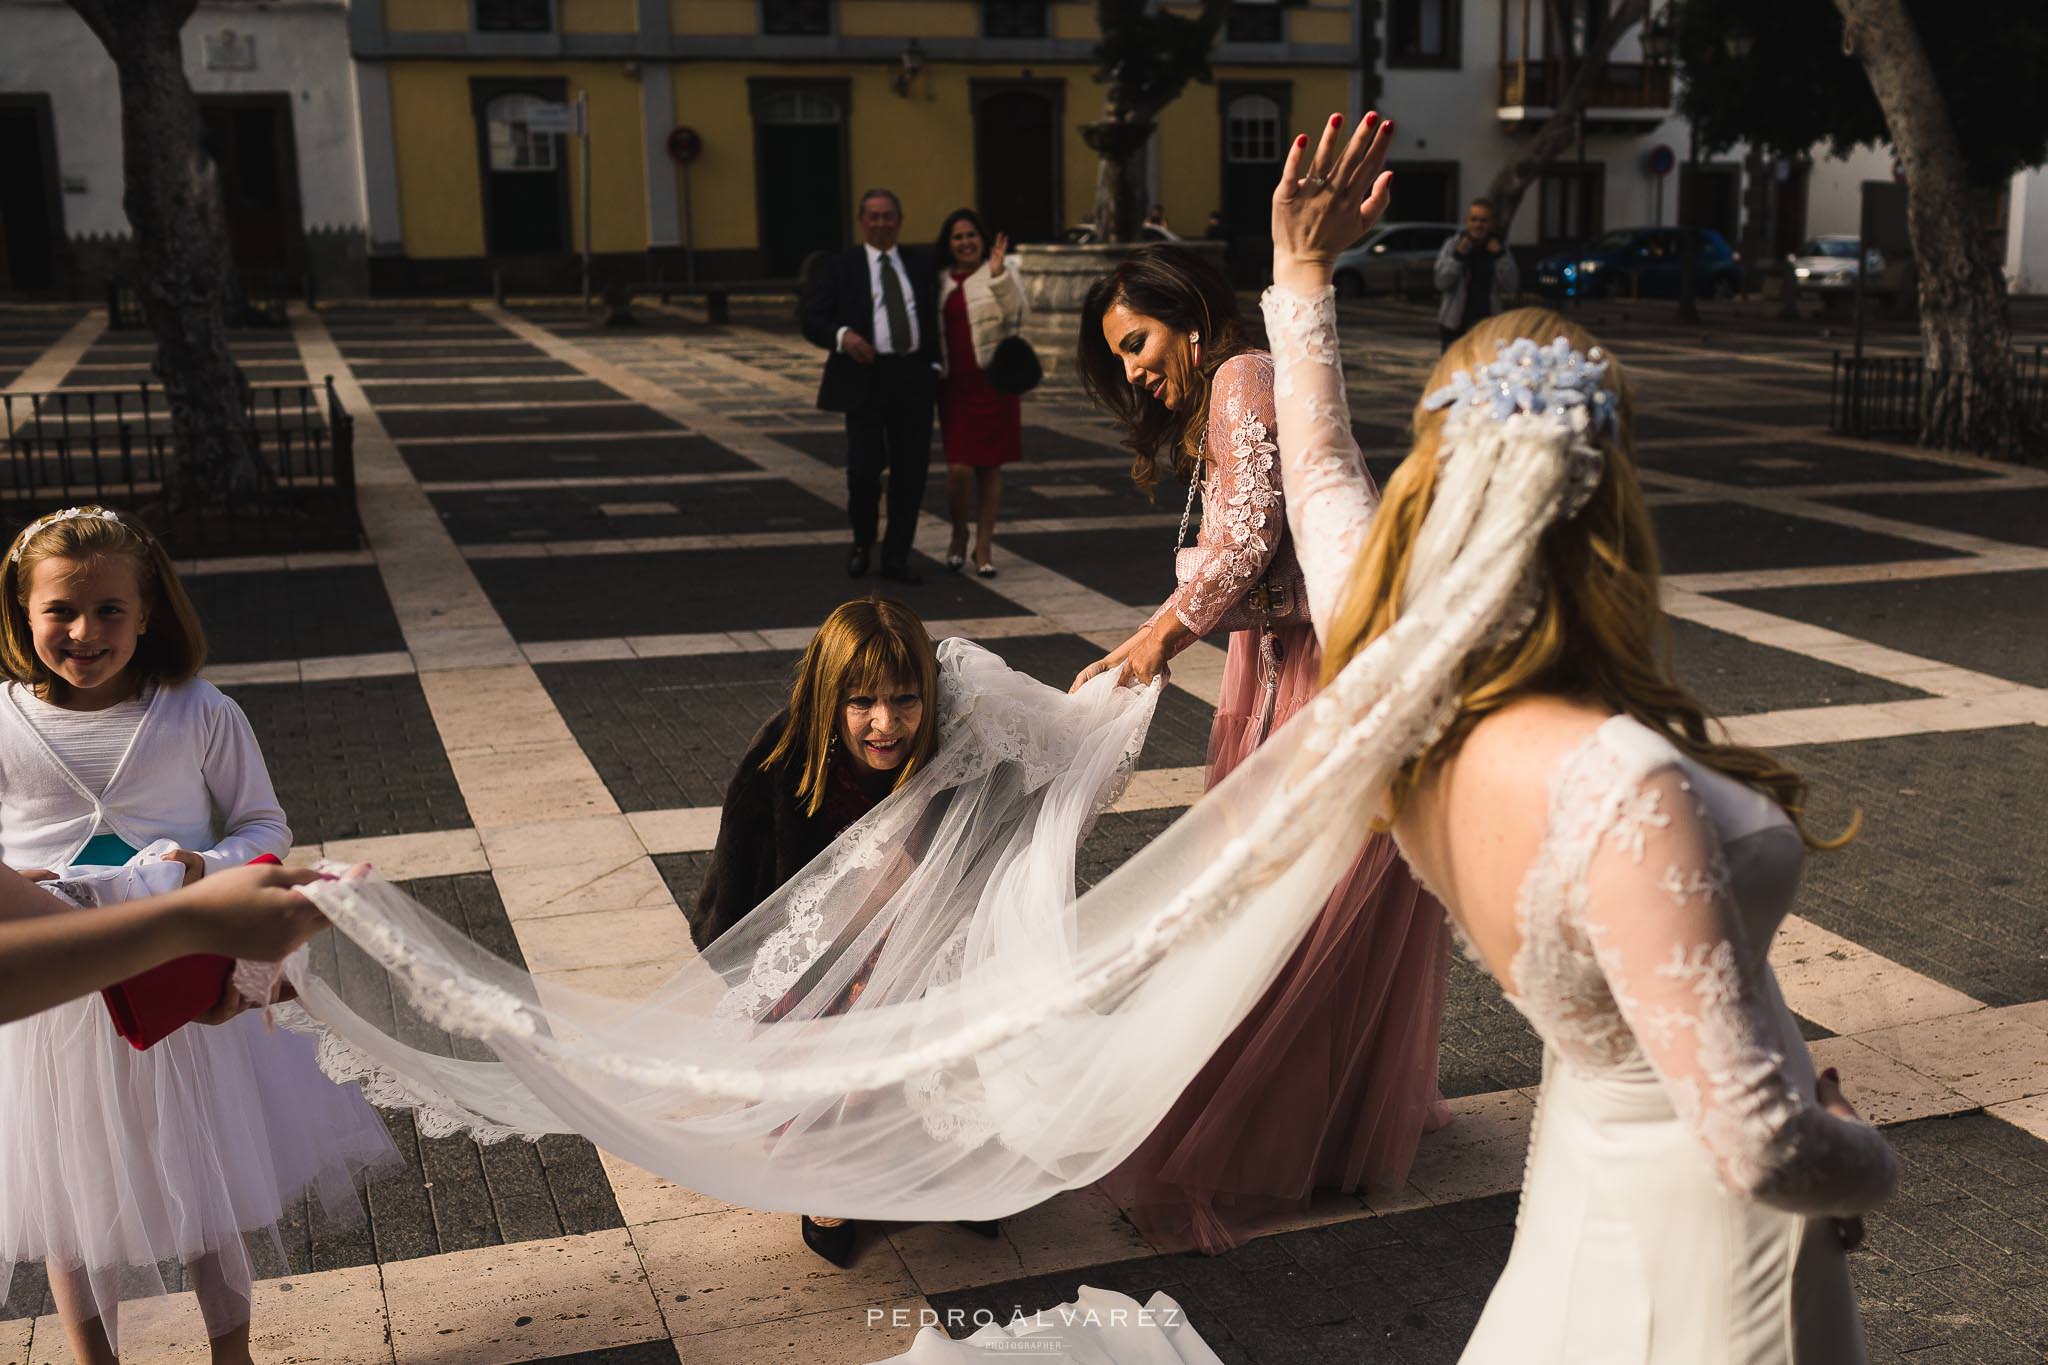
863,646
1600,632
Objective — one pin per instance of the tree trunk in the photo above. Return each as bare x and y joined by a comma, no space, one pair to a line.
1972,397
1555,134
1112,216
172,198
1130,111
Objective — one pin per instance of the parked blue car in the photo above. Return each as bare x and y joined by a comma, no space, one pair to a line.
1640,263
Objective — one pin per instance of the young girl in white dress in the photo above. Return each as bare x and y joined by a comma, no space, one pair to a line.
112,1160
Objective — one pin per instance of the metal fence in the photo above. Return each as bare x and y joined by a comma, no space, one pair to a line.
1886,395
115,447
266,295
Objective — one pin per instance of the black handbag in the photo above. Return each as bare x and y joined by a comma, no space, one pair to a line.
1013,366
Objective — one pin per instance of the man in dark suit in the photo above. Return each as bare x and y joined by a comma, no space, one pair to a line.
875,308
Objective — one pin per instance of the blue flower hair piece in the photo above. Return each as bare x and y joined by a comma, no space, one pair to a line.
1531,378
1554,380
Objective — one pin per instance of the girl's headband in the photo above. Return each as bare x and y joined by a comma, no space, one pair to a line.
41,524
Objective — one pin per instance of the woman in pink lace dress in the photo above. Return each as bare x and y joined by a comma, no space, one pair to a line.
1331,1081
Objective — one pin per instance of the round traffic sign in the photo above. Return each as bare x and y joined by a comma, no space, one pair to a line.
1660,160
684,145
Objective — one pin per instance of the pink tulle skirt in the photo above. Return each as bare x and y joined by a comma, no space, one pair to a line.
1331,1081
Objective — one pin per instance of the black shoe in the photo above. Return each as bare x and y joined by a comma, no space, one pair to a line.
982,1227
902,573
857,562
832,1241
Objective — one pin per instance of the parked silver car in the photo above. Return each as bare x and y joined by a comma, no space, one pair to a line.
1825,268
1394,257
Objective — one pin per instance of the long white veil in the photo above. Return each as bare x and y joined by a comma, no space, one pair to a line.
1006,1040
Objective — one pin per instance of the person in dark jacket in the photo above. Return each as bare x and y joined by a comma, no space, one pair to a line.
862,718
874,308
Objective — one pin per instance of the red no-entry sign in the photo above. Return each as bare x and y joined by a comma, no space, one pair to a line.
684,145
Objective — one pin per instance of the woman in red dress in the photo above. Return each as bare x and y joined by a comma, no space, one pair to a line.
980,304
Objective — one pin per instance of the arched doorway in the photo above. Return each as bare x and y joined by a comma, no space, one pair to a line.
1254,133
1017,159
800,172
526,173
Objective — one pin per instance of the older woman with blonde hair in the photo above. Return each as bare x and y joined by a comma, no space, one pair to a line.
1616,865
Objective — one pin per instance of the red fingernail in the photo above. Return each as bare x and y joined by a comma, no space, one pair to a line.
1336,119
1301,141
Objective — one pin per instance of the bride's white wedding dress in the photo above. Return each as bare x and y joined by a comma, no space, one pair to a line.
1681,1174
1012,1040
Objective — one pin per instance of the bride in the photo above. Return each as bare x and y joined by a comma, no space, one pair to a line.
1691,1186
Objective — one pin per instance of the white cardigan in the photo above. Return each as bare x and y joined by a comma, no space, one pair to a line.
995,310
193,774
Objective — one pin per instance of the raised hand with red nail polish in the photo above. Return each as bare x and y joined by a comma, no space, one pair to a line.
1328,199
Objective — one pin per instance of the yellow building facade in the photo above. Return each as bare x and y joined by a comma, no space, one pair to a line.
728,139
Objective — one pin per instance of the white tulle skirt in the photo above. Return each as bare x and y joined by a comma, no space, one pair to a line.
112,1160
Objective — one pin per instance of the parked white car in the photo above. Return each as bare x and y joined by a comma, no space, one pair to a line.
1825,268
1393,256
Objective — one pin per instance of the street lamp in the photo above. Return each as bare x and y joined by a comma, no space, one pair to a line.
1657,39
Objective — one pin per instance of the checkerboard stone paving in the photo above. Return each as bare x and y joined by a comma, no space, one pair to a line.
1947,880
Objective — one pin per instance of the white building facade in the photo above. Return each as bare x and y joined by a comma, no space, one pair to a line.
277,93
1468,82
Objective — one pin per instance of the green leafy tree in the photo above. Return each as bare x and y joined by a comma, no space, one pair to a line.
1962,105
1147,57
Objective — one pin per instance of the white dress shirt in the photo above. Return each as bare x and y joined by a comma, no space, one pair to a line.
879,334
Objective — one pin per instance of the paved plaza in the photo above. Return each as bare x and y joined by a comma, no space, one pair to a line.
593,555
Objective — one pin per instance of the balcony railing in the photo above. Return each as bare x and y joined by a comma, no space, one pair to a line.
1623,85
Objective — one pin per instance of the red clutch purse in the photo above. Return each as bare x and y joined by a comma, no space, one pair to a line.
150,1006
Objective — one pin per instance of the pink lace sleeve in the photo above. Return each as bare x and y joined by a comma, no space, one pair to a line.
1657,916
1242,519
1330,498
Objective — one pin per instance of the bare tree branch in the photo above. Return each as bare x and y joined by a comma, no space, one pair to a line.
1557,131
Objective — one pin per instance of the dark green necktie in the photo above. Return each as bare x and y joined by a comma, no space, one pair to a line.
892,306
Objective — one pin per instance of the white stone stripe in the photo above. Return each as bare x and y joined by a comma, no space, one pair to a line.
1833,647
549,830
1889,571
1889,720
694,829
324,559
591,481
62,355
777,639
768,540
516,405
752,475
404,857
459,378
355,345
328,668
1787,503
557,438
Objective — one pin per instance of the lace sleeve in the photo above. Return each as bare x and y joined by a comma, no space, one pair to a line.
1242,518
1658,919
1330,496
